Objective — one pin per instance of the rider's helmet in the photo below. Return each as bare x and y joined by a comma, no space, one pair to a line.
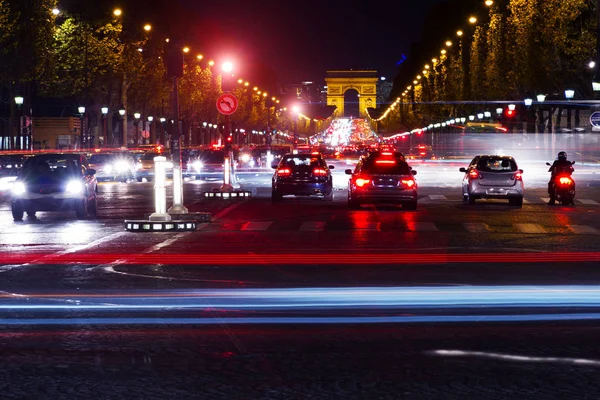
562,156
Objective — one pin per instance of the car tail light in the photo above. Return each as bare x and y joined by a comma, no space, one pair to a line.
284,171
360,182
386,153
565,180
422,153
519,176
473,174
408,182
385,162
319,172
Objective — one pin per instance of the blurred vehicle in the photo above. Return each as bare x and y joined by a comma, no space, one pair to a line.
55,182
208,165
251,158
376,153
563,185
493,177
382,177
302,175
145,165
118,166
9,168
421,152
483,127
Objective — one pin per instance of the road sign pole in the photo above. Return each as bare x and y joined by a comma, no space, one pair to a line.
227,186
177,207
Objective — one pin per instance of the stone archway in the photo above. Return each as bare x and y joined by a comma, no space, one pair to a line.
363,81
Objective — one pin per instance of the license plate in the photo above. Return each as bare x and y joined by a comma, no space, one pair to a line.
499,192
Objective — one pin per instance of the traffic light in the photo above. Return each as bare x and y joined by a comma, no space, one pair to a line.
510,113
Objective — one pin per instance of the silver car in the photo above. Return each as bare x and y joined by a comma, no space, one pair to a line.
493,177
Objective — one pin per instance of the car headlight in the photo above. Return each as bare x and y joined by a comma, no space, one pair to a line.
122,166
197,165
108,168
18,188
74,187
245,157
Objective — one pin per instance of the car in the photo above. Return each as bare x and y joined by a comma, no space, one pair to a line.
119,166
421,152
145,165
55,182
303,174
382,177
493,177
9,168
208,165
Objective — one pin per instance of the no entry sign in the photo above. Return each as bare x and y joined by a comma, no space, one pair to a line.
227,104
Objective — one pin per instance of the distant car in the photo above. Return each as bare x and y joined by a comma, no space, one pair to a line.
382,177
302,175
145,165
208,165
421,152
119,166
55,182
493,177
9,168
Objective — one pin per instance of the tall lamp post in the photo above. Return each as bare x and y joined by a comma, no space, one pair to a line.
19,100
137,117
81,110
150,138
122,128
227,186
569,94
104,118
541,98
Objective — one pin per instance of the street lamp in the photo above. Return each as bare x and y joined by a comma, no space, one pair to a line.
137,117
569,94
19,100
480,116
511,107
123,140
528,102
150,119
81,110
55,11
499,110
487,114
104,113
541,98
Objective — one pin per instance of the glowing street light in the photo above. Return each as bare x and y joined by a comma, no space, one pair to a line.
211,63
199,56
227,66
459,33
541,98
569,94
296,109
443,52
117,12
499,110
489,3
186,49
55,11
448,43
472,20
147,27
528,102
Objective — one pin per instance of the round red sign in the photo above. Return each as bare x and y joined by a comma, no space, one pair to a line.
227,104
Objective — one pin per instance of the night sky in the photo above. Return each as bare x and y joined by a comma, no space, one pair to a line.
298,40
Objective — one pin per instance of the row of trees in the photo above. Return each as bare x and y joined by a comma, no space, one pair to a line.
97,60
517,49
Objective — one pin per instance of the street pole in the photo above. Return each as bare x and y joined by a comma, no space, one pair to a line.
177,207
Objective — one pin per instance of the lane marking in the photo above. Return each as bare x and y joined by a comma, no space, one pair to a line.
312,226
476,227
257,225
583,230
530,228
588,202
437,197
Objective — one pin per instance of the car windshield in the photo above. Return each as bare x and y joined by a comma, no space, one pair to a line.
100,158
55,169
497,164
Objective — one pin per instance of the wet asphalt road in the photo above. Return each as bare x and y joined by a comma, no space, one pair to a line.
54,348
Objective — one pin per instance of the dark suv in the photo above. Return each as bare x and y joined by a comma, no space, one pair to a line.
302,175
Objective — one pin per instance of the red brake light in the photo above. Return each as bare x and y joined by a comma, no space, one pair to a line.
315,153
422,153
361,182
421,146
320,171
473,174
519,176
385,162
408,182
565,180
387,153
284,171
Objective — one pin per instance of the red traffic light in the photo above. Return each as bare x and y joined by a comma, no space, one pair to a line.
229,139
510,113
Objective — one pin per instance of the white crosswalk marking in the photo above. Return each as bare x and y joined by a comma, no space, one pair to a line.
588,202
312,226
476,227
437,197
257,225
545,199
583,229
422,227
530,228
525,201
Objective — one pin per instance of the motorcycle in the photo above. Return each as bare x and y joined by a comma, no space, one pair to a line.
563,185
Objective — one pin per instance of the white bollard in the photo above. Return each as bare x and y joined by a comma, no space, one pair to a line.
160,190
227,187
177,207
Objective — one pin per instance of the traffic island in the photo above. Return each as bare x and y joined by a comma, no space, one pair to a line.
235,194
160,226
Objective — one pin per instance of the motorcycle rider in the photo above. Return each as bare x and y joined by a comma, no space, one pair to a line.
561,164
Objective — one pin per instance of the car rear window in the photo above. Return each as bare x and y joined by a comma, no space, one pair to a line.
300,161
497,164
385,166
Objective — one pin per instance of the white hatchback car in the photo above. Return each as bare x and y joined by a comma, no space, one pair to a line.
493,177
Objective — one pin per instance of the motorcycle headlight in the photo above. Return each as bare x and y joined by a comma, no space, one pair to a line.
18,188
74,187
197,165
245,157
